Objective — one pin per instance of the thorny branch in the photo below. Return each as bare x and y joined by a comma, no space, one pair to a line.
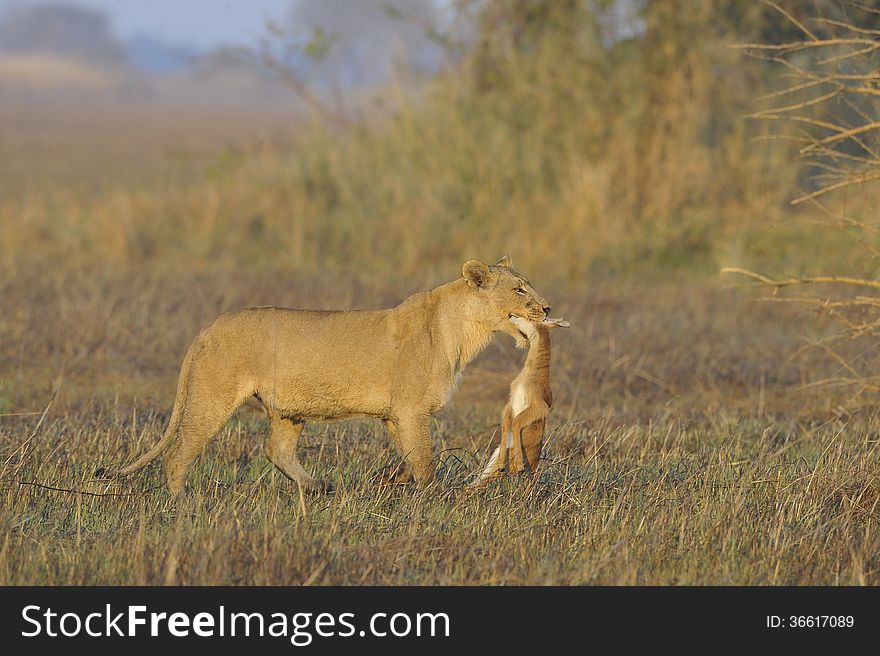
830,101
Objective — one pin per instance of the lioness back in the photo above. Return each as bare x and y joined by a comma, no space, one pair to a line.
310,364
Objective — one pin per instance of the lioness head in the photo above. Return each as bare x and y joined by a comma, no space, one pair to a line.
507,294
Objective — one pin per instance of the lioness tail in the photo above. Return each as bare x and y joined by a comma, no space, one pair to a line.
173,423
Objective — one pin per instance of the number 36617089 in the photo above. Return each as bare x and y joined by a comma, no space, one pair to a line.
810,621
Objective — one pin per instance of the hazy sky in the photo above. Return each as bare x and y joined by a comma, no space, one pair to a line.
203,24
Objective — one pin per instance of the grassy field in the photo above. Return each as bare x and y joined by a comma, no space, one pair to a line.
681,450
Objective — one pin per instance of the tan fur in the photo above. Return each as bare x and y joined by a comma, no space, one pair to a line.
398,365
525,414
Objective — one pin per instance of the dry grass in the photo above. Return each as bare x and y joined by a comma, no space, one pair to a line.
678,453
723,500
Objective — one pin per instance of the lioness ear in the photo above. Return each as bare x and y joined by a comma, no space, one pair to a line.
476,273
505,261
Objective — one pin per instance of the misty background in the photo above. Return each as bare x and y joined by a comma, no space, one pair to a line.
204,53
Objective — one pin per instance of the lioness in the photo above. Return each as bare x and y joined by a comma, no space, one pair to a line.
399,365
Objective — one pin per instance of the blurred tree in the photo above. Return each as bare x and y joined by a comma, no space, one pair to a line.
510,32
364,43
328,48
59,29
654,79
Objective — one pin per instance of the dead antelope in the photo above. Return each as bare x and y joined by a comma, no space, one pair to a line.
522,425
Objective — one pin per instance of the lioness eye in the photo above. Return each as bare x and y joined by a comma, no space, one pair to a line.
520,291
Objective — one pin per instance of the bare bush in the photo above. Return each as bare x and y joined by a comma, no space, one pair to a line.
829,107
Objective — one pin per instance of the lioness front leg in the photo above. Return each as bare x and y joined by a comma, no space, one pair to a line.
400,474
414,440
283,437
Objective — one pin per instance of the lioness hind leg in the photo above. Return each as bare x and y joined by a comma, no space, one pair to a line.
283,437
206,412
